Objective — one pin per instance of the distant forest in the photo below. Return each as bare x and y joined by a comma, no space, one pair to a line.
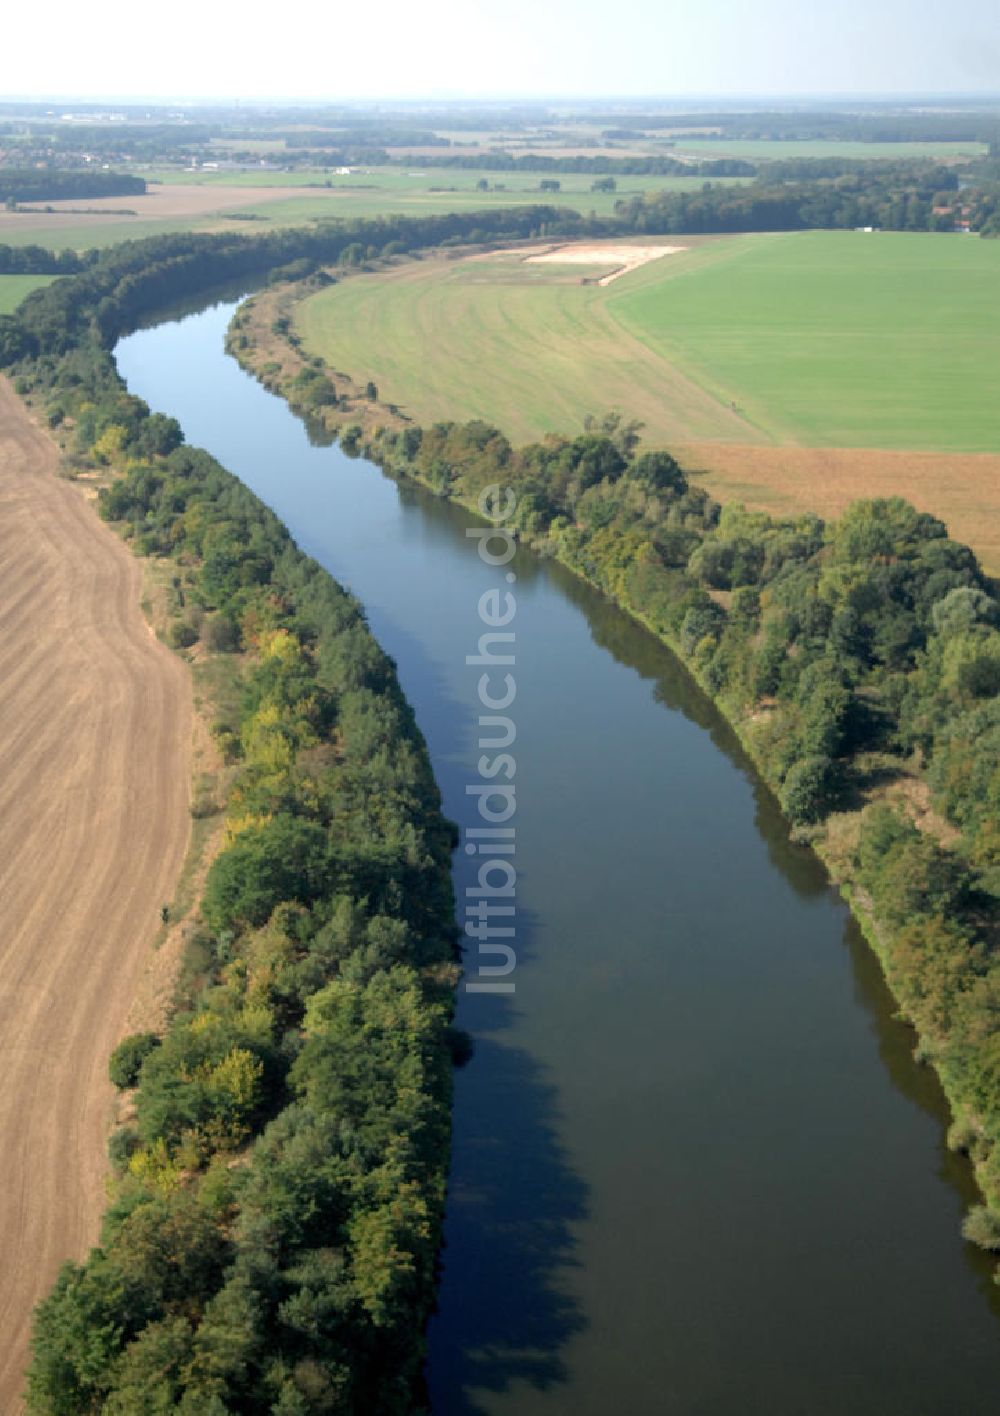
29,184
903,196
317,136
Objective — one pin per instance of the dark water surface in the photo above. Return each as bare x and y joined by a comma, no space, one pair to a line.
695,1170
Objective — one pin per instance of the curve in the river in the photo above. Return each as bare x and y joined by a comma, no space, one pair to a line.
695,1171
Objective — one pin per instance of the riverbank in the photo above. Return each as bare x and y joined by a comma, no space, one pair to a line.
309,1022
96,719
258,339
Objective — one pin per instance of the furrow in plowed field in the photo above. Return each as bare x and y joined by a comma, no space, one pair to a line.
95,733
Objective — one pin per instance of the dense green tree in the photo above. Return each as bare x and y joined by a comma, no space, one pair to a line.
804,794
128,1057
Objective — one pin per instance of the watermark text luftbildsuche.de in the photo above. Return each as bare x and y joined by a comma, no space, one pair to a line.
490,905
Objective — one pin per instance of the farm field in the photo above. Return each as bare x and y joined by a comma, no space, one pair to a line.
962,488
779,150
587,140
836,341
202,177
521,344
95,727
179,207
828,339
457,192
214,201
13,289
381,190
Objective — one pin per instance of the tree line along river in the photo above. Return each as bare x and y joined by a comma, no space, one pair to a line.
695,1170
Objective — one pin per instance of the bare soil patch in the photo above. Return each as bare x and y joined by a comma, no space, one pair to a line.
600,252
95,741
617,254
963,489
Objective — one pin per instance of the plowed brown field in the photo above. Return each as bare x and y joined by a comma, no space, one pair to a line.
95,733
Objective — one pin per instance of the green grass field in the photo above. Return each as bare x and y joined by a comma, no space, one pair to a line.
764,150
837,339
371,197
13,289
381,192
96,235
824,339
527,347
183,176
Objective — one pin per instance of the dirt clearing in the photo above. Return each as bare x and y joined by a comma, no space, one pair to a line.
95,735
963,489
623,257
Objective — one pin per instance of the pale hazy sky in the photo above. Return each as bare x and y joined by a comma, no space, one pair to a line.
414,48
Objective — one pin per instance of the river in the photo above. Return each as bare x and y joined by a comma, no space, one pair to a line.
695,1170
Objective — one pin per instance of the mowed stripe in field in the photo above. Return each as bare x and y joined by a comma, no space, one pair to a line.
95,733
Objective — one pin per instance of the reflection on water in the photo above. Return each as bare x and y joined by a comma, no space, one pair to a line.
674,687
513,1208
